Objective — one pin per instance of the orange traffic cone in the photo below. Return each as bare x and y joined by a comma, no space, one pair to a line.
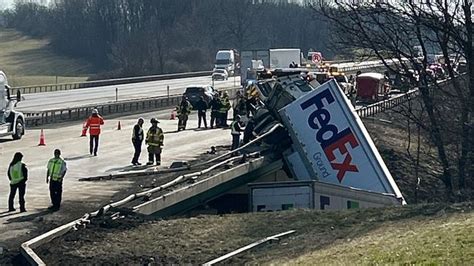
173,115
119,126
84,130
42,141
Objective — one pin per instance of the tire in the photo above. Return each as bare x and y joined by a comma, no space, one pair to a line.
20,129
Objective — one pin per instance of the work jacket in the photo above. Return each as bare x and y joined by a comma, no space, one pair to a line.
17,173
225,105
155,136
201,106
56,169
184,108
235,128
137,133
94,123
215,104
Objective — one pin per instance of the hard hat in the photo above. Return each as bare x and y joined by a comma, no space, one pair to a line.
95,111
141,119
154,121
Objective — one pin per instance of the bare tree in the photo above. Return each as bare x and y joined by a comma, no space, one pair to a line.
393,32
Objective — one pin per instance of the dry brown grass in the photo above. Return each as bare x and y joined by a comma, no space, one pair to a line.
413,234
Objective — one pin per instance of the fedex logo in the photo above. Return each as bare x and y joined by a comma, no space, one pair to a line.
329,136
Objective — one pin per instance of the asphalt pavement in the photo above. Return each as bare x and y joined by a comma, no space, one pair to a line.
98,95
115,153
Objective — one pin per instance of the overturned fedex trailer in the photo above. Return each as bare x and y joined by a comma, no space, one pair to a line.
327,142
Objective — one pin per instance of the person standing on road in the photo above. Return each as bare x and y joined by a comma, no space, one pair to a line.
137,140
235,129
201,107
93,123
215,105
18,175
248,132
184,109
225,107
154,139
240,107
55,175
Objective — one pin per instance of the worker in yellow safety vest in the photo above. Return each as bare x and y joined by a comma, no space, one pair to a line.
184,109
56,170
154,139
235,128
225,107
17,174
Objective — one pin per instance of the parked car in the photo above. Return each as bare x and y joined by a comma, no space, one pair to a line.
194,93
372,87
220,74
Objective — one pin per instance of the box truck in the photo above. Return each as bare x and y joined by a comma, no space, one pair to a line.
283,58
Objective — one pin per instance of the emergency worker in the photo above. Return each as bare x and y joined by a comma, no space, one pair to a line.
137,140
215,105
154,139
235,129
184,109
240,107
201,107
225,107
18,175
55,174
248,132
93,123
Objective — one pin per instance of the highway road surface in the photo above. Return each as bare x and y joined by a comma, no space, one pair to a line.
97,95
115,153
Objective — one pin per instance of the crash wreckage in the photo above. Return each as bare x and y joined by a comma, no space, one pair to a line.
310,150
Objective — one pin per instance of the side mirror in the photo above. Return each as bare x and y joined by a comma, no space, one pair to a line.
18,96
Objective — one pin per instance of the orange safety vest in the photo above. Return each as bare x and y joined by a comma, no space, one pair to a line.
94,123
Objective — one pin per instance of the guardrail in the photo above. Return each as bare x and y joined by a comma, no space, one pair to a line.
112,108
106,82
381,106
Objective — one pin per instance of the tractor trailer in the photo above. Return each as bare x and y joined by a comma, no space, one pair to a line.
322,138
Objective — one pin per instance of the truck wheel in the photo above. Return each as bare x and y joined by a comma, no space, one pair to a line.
19,129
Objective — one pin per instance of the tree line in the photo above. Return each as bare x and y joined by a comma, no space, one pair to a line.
141,37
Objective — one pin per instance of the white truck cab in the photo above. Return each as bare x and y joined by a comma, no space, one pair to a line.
12,123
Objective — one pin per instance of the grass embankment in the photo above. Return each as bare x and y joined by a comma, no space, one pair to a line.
28,61
433,233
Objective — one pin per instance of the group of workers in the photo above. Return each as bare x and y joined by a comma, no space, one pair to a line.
18,175
219,105
154,139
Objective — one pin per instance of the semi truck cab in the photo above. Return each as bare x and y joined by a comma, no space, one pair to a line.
12,122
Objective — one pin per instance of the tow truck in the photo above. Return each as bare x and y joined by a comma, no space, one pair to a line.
12,122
